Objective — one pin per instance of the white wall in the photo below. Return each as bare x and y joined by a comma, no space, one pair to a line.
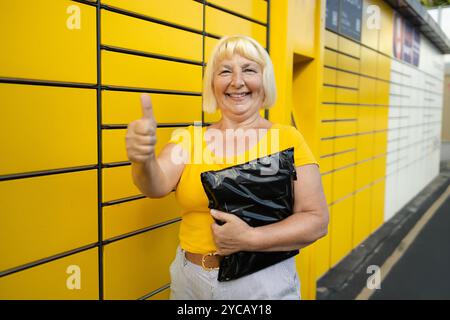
415,117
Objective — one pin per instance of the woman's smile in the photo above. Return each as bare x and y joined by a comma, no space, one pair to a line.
238,86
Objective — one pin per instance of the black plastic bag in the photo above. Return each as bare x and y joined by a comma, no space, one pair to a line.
260,192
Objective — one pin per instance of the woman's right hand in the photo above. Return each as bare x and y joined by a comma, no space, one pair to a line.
141,134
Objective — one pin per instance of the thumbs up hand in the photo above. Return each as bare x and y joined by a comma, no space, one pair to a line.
141,134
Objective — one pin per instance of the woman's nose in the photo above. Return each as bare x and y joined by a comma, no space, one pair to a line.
237,80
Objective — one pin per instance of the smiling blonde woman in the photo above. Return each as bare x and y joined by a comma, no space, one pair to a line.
239,81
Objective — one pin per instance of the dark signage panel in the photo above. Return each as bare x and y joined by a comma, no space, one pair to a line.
350,18
332,15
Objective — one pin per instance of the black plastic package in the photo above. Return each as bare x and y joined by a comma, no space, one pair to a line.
260,192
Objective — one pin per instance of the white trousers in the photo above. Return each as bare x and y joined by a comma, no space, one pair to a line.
191,282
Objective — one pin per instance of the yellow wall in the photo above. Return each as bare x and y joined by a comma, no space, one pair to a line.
64,170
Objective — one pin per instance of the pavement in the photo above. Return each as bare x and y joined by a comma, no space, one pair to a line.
411,252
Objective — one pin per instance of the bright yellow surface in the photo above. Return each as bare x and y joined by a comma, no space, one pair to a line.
303,20
135,71
127,32
134,215
117,183
137,265
377,205
328,94
38,44
49,281
330,39
364,147
59,214
119,107
347,63
48,122
386,30
341,229
368,62
343,181
348,46
361,222
364,175
221,23
330,58
366,92
256,9
188,13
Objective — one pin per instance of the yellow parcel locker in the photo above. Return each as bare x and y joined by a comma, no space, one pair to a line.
383,67
368,62
53,128
209,45
255,9
347,63
366,117
366,90
364,174
377,214
362,216
48,40
330,40
119,107
328,94
330,58
138,265
364,147
131,33
347,79
344,95
221,23
74,277
188,13
341,228
382,93
329,76
327,182
120,69
59,214
348,46
133,215
117,181
343,182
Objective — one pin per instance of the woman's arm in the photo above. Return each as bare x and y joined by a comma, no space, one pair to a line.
154,176
308,223
158,176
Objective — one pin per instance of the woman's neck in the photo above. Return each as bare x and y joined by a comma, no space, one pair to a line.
255,122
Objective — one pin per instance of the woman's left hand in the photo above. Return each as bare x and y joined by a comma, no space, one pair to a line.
231,237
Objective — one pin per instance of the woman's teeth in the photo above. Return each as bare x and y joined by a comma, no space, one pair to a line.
237,95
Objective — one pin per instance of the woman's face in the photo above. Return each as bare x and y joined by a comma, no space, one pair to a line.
238,86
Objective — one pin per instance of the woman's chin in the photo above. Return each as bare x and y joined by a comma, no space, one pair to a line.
238,109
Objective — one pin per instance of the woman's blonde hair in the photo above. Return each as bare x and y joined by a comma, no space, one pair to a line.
249,49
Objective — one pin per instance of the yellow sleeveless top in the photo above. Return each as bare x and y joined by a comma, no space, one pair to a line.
195,230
